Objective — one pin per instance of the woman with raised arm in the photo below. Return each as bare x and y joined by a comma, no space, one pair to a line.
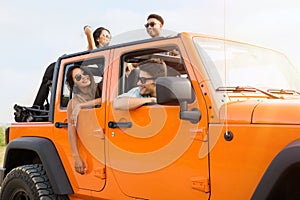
99,38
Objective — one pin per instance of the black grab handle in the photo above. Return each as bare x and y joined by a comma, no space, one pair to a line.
61,125
112,124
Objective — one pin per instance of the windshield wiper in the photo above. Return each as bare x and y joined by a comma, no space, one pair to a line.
282,91
246,89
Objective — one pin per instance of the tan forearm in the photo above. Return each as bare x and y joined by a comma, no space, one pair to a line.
73,139
90,38
91,103
130,103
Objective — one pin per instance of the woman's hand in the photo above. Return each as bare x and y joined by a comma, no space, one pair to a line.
80,166
89,35
87,29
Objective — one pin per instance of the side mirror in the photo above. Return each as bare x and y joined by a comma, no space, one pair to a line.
173,90
177,91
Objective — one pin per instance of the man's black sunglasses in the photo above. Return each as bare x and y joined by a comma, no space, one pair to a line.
150,24
144,80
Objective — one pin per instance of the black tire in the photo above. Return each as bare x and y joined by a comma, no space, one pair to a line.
28,182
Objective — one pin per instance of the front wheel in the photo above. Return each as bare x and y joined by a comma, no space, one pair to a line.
28,182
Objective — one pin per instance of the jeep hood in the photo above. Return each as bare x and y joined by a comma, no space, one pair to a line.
273,111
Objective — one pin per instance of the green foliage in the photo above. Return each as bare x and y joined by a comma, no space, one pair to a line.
2,136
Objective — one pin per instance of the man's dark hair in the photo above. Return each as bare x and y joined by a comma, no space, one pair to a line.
155,67
158,17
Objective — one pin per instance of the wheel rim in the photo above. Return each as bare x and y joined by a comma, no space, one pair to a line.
20,194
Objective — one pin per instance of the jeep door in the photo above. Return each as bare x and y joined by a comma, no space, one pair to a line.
153,153
90,123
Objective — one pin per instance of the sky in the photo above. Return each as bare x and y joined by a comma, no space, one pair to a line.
35,33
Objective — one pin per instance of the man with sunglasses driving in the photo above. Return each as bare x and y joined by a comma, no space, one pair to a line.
146,90
154,25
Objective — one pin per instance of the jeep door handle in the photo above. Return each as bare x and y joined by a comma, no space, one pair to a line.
61,125
112,124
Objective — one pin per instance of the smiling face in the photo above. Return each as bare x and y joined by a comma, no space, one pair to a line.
104,38
81,79
153,27
147,84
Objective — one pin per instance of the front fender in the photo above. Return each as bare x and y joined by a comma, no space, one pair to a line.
285,166
21,151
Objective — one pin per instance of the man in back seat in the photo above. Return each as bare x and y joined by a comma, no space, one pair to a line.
43,92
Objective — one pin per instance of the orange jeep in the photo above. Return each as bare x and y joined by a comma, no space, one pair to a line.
226,125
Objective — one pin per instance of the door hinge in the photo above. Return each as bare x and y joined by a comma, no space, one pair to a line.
201,184
100,172
99,133
199,133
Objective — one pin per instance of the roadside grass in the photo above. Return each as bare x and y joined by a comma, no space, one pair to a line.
2,151
2,144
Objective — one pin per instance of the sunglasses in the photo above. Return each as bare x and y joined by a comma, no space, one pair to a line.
106,36
144,80
150,24
78,77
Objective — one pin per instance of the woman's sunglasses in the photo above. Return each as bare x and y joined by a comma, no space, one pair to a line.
78,77
106,36
152,24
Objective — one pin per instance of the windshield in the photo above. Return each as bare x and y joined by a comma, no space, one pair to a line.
235,64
